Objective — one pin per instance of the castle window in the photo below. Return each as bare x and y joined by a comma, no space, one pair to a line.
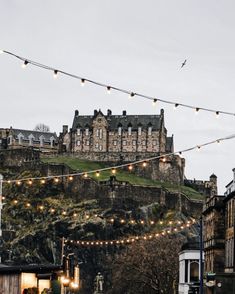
101,133
134,142
87,142
87,131
124,143
78,142
97,132
78,132
139,131
97,145
144,143
119,131
115,142
129,131
149,131
100,148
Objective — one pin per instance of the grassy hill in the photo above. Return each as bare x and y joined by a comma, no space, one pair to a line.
121,175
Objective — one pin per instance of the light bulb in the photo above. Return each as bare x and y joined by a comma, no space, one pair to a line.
30,182
154,102
217,114
108,89
70,178
97,173
55,75
144,164
197,110
83,82
43,181
131,95
113,171
85,175
130,167
24,64
176,105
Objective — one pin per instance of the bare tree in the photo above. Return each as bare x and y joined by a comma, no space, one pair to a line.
148,267
42,128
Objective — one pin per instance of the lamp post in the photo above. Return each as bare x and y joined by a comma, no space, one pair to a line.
201,257
1,205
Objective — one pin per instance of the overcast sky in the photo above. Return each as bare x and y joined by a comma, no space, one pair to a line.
136,45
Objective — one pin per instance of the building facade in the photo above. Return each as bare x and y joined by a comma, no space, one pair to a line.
17,138
99,133
219,229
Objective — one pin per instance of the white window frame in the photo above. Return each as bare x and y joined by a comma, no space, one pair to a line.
78,132
139,131
87,131
129,131
149,131
119,131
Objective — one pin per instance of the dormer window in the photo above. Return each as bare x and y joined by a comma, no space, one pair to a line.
52,140
78,132
31,137
41,138
20,138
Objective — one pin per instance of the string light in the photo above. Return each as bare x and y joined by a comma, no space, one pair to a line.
85,175
108,89
56,180
217,113
142,161
131,94
130,239
113,171
154,102
176,105
70,178
83,82
197,110
55,75
24,64
43,181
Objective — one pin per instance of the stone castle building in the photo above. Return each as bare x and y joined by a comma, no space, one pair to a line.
11,138
110,133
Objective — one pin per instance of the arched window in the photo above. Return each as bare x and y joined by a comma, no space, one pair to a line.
52,140
149,130
20,138
139,130
41,138
31,137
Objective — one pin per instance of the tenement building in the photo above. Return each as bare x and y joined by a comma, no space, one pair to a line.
219,232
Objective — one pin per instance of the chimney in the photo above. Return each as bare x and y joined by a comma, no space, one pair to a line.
95,112
76,112
65,129
109,112
124,112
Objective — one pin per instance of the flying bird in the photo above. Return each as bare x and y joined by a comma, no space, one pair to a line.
183,64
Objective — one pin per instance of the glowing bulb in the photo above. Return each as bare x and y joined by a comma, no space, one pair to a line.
64,213
83,82
108,89
28,204
24,64
154,102
43,181
15,201
97,173
122,221
152,222
131,95
41,207
161,222
52,210
8,181
75,214
130,167
56,180
87,216
113,171
18,183
70,178
55,75
85,175
163,159
30,182
144,164
175,229
142,222
132,221
112,220
170,222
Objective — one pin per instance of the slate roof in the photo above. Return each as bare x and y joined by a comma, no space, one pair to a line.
114,121
36,135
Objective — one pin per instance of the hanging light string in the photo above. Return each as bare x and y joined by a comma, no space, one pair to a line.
108,87
131,239
113,169
111,219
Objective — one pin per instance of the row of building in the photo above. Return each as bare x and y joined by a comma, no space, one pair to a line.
219,251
